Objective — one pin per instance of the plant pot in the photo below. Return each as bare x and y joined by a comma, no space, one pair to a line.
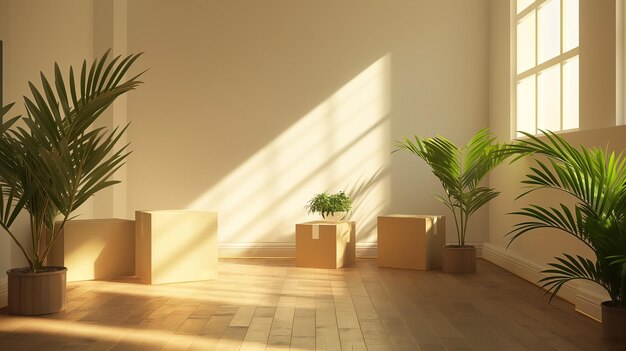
459,259
613,322
36,293
334,216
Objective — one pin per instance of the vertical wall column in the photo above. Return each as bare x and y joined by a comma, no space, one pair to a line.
110,32
597,64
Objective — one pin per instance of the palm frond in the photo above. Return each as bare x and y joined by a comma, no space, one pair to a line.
568,269
596,182
460,171
57,159
552,218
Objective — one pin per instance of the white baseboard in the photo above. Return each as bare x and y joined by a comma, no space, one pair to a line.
585,300
588,302
366,250
283,249
288,249
4,291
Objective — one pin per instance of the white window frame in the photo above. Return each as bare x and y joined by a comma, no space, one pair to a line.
560,60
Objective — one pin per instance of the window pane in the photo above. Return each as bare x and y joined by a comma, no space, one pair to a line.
526,43
570,94
549,30
549,98
526,105
522,4
570,24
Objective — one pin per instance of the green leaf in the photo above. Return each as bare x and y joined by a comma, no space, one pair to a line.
55,159
460,171
595,182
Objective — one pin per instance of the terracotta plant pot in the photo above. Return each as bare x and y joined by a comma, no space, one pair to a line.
36,293
457,259
613,322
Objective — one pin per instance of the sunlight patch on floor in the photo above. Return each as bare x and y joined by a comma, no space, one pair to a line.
141,338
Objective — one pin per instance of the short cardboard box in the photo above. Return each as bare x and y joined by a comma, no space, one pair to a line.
322,244
95,249
411,241
176,246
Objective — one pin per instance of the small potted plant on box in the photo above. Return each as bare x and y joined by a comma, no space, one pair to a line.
596,182
460,171
51,163
333,207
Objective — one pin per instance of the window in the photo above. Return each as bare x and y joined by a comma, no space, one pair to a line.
546,72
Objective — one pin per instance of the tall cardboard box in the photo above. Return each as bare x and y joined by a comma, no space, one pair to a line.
411,241
322,244
95,249
176,246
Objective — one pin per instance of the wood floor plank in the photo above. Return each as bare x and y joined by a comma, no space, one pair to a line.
399,335
232,338
352,338
375,335
415,323
178,343
205,310
243,316
257,335
300,343
269,304
282,324
192,326
209,337
303,327
327,338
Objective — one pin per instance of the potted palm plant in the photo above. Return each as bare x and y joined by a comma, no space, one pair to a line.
461,171
332,207
51,163
596,182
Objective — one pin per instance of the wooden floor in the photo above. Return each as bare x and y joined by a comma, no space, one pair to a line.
269,304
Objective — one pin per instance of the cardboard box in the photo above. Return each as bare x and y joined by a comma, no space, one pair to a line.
175,246
325,244
411,241
95,249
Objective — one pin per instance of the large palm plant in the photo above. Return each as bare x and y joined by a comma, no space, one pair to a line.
596,181
54,159
460,171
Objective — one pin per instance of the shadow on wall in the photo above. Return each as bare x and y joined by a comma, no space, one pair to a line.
344,140
367,211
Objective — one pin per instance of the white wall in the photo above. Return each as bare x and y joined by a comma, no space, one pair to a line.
250,108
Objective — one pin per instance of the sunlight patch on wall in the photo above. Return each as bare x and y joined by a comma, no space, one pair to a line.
342,144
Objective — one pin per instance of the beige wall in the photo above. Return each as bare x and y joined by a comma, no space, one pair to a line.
36,33
110,32
597,64
250,108
530,254
599,111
